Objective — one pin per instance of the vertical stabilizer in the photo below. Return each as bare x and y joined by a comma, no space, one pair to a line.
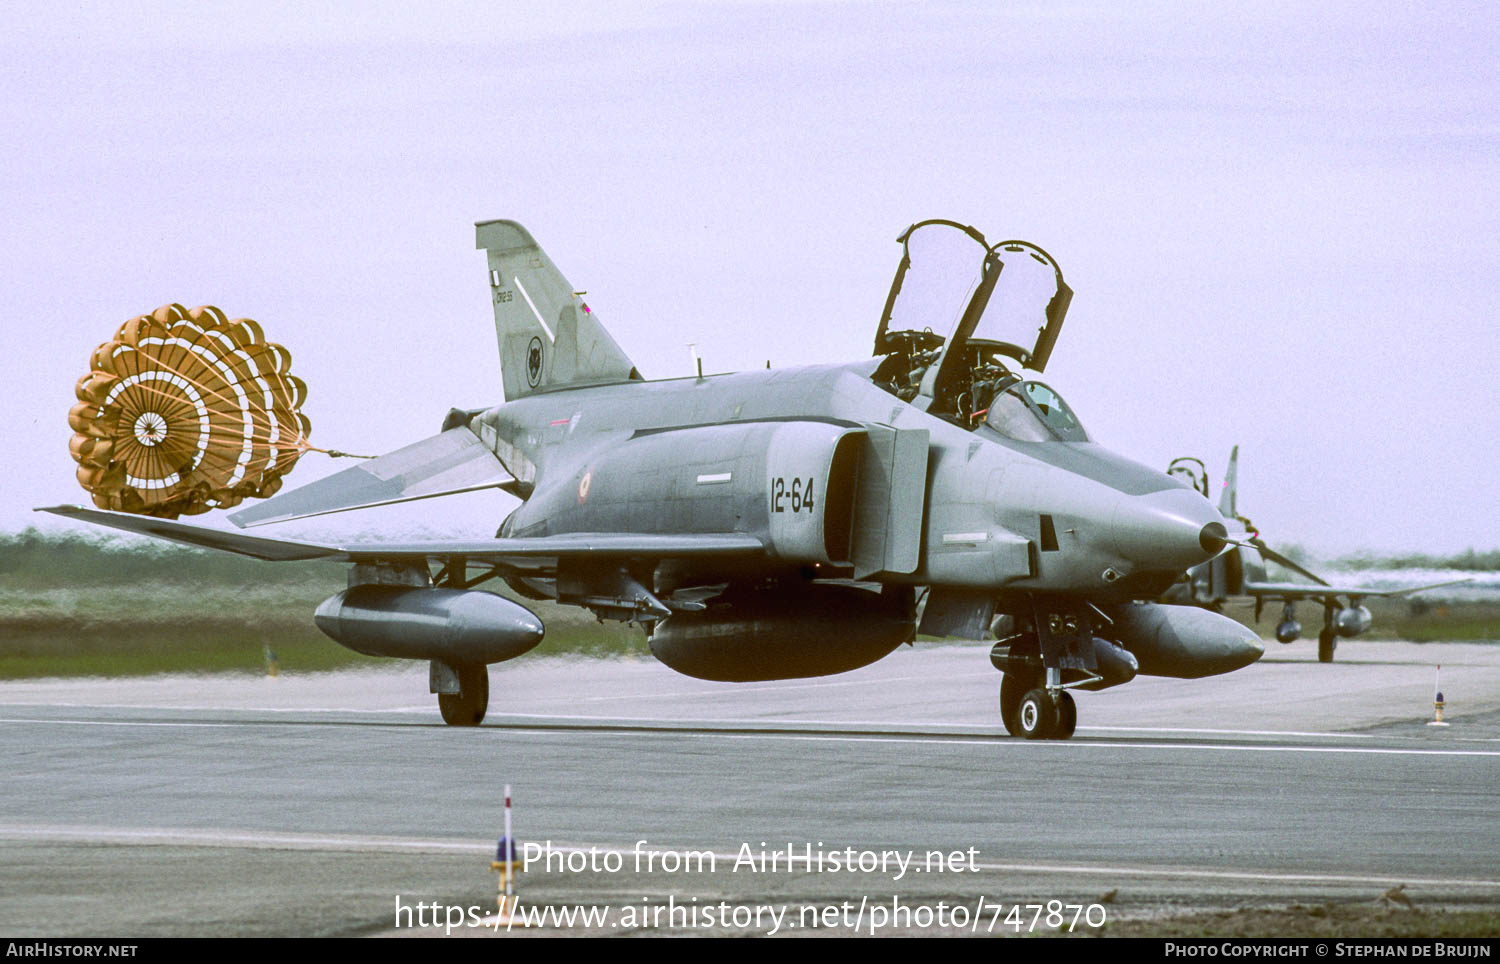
548,336
1231,483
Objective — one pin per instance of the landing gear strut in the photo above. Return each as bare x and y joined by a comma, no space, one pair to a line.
467,706
1328,639
1327,643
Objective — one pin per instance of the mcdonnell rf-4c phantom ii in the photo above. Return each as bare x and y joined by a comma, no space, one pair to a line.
1241,571
776,524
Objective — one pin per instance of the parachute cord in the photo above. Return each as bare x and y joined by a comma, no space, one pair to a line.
331,453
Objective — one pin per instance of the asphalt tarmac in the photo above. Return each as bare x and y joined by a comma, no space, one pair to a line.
322,804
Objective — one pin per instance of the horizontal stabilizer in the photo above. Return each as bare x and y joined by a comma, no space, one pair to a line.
455,461
527,553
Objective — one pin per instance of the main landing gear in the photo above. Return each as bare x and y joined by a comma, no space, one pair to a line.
463,692
1327,642
1328,639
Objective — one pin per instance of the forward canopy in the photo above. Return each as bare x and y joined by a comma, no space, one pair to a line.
185,411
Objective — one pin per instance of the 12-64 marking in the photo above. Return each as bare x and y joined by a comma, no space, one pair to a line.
791,498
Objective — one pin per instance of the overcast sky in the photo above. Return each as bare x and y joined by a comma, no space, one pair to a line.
1280,220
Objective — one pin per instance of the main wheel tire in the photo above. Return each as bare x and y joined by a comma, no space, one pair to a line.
467,706
1327,643
1013,687
1038,715
1067,716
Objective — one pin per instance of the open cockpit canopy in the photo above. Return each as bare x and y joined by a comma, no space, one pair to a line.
959,319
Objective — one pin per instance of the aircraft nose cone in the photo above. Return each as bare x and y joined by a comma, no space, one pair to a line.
1168,530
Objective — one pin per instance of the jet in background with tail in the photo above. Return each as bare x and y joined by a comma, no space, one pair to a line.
1240,572
776,524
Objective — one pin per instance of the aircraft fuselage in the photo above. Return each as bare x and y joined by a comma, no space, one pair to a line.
754,452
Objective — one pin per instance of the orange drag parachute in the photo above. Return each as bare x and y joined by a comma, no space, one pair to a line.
185,411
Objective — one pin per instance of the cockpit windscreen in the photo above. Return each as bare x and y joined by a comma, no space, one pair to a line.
1032,412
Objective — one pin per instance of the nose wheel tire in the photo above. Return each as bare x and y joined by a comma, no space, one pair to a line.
1327,643
1037,715
1013,687
1016,689
1067,716
467,706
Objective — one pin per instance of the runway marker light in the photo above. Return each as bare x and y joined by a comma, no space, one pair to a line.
506,865
1437,699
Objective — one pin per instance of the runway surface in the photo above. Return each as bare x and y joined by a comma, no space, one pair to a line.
309,805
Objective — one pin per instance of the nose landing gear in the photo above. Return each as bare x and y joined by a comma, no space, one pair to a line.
1042,716
1033,655
1031,709
1067,716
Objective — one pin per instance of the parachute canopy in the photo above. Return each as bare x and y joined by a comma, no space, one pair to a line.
185,411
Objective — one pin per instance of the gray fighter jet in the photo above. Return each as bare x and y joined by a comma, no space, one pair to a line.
784,523
1240,572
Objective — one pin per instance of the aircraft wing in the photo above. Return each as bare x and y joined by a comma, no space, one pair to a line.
272,550
1301,590
450,462
522,553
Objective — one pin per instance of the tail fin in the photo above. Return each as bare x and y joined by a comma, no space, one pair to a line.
1231,484
548,337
